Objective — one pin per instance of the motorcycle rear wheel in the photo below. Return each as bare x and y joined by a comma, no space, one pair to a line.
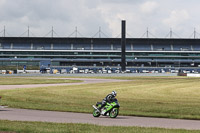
114,113
96,113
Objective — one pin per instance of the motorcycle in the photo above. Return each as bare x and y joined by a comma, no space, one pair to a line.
111,109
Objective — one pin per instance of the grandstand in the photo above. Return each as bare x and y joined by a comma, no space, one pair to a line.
99,54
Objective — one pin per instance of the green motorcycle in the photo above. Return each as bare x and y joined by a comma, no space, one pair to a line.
111,109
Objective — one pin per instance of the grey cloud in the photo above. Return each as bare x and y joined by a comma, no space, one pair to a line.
88,15
122,1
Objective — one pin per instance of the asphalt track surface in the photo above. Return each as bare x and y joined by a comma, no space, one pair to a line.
85,81
69,117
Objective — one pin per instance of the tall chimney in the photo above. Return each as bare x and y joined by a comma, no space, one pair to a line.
123,44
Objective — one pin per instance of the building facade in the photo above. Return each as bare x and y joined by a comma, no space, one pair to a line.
38,52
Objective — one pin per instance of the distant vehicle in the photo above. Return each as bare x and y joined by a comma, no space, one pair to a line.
111,109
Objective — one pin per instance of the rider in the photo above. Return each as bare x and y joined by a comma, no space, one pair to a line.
109,98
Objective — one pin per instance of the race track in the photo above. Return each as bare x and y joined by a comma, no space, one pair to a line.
69,117
85,81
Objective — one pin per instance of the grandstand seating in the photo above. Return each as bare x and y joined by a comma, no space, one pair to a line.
196,60
41,46
81,46
62,46
196,47
143,60
116,46
102,46
141,47
22,46
128,47
181,47
160,47
5,46
173,60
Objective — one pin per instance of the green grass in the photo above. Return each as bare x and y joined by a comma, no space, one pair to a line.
30,80
41,127
170,97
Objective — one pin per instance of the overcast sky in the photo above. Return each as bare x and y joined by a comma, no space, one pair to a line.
182,16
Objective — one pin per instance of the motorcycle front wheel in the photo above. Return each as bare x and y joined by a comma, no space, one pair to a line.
114,113
96,113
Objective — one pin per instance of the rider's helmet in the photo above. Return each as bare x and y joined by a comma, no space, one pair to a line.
114,93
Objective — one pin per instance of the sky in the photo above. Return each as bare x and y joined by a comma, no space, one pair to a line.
91,16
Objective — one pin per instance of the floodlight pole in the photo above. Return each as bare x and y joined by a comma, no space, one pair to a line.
123,46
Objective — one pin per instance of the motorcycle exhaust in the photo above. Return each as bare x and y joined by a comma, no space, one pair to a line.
94,107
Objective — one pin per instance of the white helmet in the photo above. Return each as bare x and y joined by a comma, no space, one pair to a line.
114,93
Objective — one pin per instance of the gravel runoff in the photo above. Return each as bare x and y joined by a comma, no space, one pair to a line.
69,117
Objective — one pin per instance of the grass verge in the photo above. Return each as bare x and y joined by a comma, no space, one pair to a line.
169,97
41,127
